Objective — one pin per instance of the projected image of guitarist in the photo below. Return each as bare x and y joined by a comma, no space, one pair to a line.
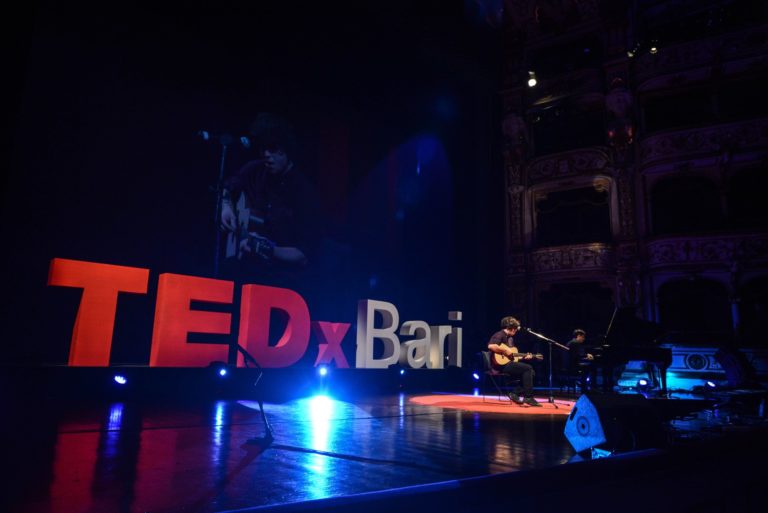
506,358
269,210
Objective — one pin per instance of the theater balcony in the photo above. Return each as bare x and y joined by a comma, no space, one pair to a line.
587,161
573,259
698,143
739,49
711,252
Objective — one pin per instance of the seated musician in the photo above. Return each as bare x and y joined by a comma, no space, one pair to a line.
580,359
502,343
278,248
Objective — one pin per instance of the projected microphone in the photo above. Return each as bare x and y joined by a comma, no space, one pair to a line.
224,139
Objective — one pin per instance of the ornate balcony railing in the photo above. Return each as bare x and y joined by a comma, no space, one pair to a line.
568,163
582,257
718,250
678,144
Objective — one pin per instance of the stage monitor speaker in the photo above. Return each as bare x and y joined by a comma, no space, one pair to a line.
615,423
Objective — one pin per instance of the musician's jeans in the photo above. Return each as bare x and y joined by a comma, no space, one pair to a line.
525,372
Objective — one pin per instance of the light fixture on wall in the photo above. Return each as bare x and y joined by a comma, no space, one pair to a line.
532,79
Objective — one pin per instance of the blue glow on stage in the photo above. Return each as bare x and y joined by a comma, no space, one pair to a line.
115,416
112,436
120,379
320,410
220,413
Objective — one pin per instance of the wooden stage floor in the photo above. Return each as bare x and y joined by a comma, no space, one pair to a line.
397,452
196,457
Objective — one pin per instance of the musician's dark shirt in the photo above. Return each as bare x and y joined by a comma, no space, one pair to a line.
286,203
500,337
577,352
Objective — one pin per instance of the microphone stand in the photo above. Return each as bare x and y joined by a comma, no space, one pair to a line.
225,142
268,433
550,342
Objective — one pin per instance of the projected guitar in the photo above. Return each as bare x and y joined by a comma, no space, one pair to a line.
516,356
246,222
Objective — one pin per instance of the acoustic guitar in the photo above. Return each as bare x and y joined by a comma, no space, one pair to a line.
501,360
246,223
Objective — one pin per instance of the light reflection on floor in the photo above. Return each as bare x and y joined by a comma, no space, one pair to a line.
140,457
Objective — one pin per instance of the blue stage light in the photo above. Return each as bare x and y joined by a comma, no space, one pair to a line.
402,372
322,371
476,376
642,382
711,384
222,372
120,379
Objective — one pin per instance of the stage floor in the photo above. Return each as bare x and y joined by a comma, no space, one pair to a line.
451,452
196,457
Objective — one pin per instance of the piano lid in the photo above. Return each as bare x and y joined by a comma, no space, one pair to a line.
628,329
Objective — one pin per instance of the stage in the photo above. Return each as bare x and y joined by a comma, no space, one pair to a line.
402,450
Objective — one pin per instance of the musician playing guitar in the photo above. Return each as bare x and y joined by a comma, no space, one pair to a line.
507,359
269,209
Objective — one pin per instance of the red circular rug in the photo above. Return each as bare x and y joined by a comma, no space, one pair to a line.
494,405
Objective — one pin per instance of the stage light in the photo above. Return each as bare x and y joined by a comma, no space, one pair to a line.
222,372
710,385
642,385
322,371
120,379
402,372
654,47
532,79
476,376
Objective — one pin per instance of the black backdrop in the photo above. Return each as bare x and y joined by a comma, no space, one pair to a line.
397,110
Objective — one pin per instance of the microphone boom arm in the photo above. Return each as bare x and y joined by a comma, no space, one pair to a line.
558,344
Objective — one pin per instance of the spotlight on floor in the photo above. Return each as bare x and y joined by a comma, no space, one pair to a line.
120,379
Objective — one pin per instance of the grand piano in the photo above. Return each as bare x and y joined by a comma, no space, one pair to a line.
629,338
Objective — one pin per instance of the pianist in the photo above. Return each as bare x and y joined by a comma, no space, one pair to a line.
580,359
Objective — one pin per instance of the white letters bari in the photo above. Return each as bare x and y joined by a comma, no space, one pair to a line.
426,348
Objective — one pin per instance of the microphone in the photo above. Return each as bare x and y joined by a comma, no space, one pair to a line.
523,328
224,139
